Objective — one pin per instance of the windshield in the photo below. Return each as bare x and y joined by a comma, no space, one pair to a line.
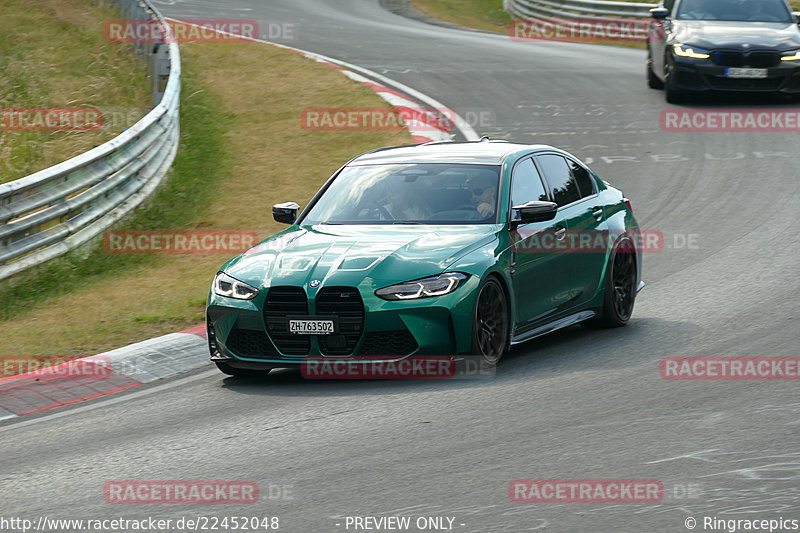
737,10
410,193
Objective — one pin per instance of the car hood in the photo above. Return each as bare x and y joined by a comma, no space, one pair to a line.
732,35
346,255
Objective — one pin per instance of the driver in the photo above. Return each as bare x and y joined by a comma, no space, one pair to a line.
484,193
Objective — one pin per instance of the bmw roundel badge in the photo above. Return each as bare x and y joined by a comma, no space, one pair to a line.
314,283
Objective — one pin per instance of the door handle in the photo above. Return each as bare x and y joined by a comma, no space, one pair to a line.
598,213
561,233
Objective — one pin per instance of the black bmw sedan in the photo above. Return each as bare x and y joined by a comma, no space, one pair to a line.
723,45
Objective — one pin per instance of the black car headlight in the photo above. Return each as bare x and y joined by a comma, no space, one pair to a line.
224,285
791,55
682,50
423,288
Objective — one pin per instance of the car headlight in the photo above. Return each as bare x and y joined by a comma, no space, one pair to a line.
684,51
224,285
792,55
423,288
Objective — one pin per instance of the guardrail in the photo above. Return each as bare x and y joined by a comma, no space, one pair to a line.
58,209
576,8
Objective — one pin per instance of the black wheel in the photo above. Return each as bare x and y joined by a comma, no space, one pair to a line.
620,288
225,368
652,80
490,323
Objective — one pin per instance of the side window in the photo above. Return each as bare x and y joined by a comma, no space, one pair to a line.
526,185
563,186
669,4
585,181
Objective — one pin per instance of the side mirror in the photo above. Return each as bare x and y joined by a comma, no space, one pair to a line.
659,13
796,16
535,211
285,213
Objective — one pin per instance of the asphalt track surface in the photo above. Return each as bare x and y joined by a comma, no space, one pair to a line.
575,405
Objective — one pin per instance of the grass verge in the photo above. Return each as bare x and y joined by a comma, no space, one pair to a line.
242,150
53,54
487,15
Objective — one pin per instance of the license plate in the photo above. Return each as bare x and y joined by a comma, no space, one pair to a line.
311,326
746,72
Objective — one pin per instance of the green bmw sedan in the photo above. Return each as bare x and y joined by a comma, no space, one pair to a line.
446,248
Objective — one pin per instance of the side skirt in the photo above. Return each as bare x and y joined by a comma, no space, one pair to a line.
552,326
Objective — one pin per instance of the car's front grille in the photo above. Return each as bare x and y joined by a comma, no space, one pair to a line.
282,302
251,343
728,59
755,59
764,59
394,342
345,303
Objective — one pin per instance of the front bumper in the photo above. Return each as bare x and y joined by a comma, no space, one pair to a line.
705,75
253,334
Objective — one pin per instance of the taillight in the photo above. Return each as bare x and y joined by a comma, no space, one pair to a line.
628,203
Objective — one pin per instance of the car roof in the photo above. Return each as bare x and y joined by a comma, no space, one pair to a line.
483,152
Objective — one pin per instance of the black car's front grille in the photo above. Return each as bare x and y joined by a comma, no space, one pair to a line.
764,59
251,343
282,302
728,59
394,342
345,303
755,59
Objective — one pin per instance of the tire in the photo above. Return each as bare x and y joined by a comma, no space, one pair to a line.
490,323
652,80
225,368
620,288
